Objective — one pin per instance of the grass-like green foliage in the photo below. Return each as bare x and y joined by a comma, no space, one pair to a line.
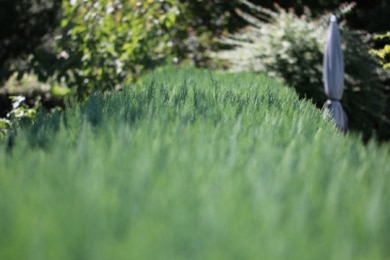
193,165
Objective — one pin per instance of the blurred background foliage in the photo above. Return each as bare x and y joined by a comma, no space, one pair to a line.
105,44
290,48
384,53
26,24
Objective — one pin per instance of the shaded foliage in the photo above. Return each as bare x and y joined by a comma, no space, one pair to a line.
371,15
384,53
26,24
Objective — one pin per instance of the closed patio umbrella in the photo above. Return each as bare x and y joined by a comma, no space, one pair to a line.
333,73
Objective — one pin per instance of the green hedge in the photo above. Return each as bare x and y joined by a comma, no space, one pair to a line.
193,164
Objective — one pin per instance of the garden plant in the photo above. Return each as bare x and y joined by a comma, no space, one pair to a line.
192,164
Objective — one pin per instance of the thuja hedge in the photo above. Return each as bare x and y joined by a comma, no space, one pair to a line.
193,164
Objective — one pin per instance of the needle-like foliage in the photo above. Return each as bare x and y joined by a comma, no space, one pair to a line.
193,164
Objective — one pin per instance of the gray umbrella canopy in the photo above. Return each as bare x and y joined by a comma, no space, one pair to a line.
333,73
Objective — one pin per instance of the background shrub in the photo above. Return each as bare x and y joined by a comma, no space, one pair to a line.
290,47
371,16
25,25
105,43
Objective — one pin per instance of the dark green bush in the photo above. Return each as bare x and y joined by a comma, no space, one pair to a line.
25,24
290,47
370,15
